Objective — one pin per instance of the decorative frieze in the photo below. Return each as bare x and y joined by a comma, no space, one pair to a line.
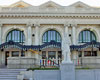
51,16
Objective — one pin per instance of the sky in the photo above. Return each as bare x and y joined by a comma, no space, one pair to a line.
95,3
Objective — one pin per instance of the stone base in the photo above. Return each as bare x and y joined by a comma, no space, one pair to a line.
14,66
67,71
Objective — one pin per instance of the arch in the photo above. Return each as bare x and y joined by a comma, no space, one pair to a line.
51,35
15,35
86,36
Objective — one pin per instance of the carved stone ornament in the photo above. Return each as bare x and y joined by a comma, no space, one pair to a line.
65,24
29,24
71,23
37,24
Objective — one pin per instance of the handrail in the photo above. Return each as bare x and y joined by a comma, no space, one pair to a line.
44,62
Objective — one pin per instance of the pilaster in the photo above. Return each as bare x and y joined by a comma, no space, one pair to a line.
37,39
29,25
66,29
66,32
0,33
74,34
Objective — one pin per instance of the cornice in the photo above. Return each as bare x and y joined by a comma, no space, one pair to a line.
79,16
65,12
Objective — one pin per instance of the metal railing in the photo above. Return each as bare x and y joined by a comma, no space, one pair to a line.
50,62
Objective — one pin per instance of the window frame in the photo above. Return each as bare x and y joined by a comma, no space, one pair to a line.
51,35
83,36
19,34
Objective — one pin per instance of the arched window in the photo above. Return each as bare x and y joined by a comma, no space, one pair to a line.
16,36
86,36
51,35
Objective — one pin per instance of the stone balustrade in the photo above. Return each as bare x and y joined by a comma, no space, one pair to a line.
21,62
87,61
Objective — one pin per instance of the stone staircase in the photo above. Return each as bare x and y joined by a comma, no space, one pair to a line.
9,74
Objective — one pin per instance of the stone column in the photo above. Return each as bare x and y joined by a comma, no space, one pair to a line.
29,42
56,56
47,54
0,33
37,38
10,54
74,34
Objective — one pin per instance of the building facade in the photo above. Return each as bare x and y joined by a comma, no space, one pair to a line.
31,36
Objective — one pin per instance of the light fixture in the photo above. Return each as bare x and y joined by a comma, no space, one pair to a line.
69,35
33,35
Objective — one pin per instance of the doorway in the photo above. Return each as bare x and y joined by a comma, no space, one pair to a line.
6,56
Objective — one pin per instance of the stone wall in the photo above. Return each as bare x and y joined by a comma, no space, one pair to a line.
47,75
88,74
55,74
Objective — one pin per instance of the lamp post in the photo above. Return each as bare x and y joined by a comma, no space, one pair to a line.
92,49
22,44
91,30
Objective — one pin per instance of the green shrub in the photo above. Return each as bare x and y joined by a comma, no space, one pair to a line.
42,69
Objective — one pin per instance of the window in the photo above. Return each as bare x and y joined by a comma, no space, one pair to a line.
15,53
16,36
44,55
86,36
51,54
51,35
89,53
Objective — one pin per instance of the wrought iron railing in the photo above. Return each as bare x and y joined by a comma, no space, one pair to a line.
50,62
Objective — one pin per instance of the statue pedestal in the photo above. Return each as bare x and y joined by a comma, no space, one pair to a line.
67,71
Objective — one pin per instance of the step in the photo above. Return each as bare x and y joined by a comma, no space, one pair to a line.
10,74
9,71
8,79
12,69
7,75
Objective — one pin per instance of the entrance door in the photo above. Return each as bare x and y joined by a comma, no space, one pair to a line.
6,56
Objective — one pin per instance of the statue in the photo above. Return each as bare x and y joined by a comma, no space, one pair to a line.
66,49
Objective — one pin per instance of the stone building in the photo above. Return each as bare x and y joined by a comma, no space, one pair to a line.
31,36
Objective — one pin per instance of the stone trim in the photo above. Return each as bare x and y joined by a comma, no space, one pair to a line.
54,16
